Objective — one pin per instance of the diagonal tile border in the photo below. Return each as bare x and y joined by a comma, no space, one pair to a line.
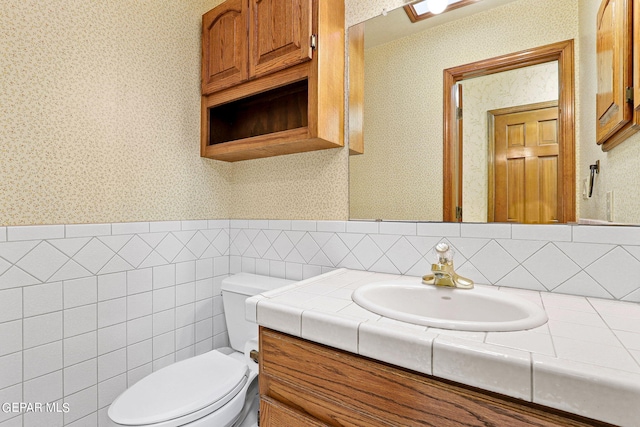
493,262
584,285
584,254
617,271
551,266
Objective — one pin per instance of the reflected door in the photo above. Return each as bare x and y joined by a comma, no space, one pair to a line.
527,181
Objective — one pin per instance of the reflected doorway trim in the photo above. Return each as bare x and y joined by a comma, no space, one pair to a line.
561,52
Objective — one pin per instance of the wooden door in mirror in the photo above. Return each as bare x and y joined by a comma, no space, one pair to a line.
617,67
224,46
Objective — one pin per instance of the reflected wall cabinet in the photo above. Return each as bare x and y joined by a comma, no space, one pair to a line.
272,78
618,66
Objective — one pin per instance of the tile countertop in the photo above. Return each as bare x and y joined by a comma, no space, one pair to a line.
584,360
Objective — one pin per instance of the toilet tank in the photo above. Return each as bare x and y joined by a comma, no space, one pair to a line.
235,290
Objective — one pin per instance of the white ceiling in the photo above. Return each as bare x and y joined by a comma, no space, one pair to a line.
396,24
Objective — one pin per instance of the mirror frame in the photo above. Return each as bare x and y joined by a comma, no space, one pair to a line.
563,52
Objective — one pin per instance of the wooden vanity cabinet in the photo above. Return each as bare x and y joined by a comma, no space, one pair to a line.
307,384
272,78
618,69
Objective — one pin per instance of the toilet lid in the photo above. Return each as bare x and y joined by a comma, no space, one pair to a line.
211,379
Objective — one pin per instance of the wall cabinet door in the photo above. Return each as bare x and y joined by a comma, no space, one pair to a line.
279,34
615,68
224,46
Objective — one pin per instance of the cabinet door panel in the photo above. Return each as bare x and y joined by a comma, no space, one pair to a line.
224,46
279,34
614,53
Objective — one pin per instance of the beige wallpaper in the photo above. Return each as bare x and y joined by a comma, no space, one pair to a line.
297,186
403,115
522,86
620,167
99,113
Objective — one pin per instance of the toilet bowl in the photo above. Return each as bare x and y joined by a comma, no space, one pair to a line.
215,389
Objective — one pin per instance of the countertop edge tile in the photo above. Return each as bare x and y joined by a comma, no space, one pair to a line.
332,329
494,368
251,308
593,391
408,349
281,317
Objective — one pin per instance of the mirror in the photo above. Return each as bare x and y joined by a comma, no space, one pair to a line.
511,155
400,174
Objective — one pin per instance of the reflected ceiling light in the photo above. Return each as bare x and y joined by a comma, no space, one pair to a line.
424,9
437,6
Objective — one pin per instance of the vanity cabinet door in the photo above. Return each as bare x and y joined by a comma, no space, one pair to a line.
615,68
224,46
279,33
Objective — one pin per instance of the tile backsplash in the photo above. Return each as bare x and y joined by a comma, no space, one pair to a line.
88,309
598,261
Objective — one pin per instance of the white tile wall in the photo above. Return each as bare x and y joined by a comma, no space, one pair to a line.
88,309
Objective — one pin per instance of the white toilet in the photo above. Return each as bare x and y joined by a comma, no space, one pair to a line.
215,389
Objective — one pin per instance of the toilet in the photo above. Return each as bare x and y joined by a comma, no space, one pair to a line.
215,389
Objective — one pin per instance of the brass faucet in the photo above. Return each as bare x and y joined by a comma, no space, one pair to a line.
442,271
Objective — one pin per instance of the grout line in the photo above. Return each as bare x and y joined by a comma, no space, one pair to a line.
531,378
22,379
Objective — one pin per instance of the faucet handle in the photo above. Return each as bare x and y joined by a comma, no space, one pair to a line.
444,253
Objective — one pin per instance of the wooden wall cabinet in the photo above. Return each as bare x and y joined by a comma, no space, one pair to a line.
272,78
307,384
618,68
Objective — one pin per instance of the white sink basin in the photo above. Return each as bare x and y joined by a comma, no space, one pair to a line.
477,309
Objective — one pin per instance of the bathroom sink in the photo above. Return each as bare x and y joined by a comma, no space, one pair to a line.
477,309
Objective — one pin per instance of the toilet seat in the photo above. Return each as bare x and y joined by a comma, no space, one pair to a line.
181,392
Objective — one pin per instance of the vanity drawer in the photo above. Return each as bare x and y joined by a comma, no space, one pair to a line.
338,388
302,400
273,413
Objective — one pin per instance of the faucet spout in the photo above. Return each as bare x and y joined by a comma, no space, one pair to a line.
442,272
